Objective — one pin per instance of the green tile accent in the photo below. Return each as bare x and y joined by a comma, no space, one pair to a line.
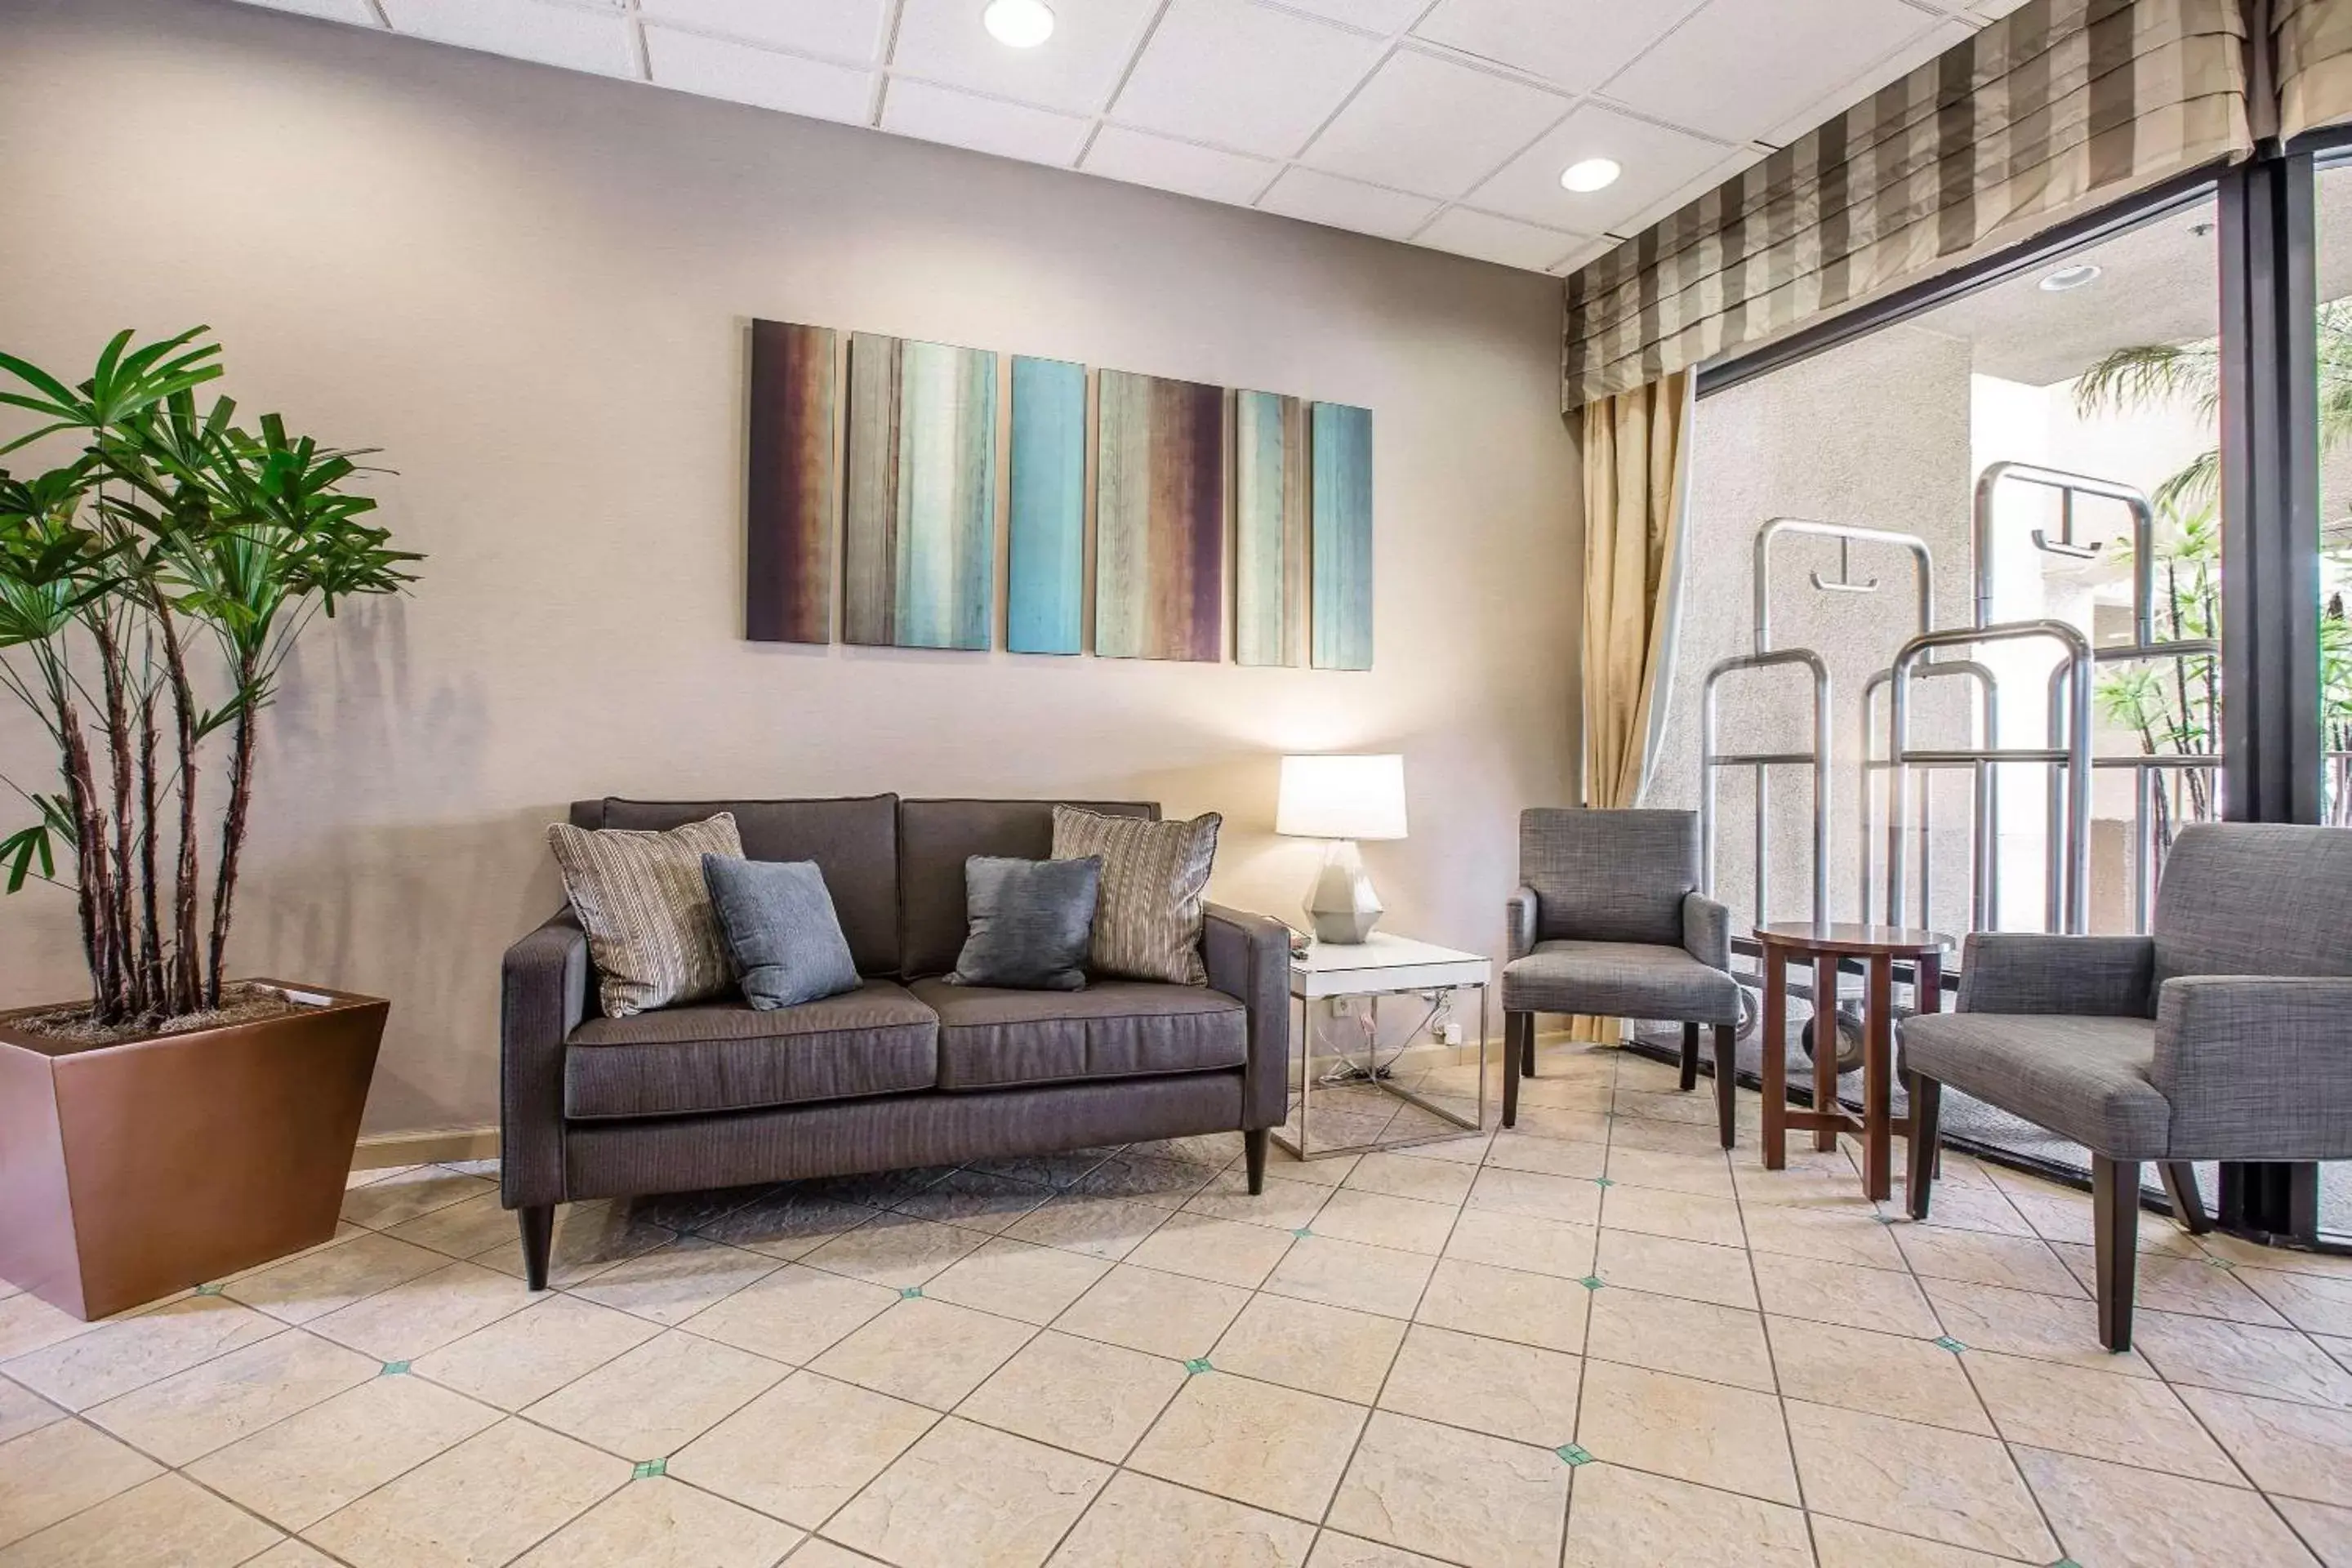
1197,1367
2219,1263
1951,1344
208,1290
648,1470
1573,1455
394,1368
1602,1181
911,1293
1593,1282
2065,1562
1303,1232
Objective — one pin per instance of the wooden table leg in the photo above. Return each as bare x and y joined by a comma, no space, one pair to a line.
1825,1047
1878,1064
1928,996
1773,1032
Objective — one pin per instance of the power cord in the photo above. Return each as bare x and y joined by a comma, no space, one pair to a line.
1350,1071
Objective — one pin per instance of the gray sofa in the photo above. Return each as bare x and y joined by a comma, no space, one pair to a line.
906,1070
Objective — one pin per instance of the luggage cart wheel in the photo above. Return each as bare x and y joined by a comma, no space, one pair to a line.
1751,1013
1849,1040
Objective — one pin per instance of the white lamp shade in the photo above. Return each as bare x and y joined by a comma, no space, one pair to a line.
1341,797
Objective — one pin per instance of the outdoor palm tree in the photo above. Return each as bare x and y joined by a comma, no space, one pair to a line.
2177,710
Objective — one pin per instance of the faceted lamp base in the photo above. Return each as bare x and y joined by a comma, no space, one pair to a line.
1343,908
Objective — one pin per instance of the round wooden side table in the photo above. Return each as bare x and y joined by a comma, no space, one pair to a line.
1823,946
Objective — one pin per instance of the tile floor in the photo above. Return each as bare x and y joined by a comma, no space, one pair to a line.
1594,1340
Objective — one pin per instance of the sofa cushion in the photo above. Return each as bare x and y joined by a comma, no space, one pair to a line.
2088,1079
990,1038
936,837
641,895
854,842
876,1040
1620,980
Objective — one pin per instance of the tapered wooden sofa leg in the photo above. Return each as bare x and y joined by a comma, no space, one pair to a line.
538,1223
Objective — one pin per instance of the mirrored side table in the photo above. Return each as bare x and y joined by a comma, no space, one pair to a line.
1384,966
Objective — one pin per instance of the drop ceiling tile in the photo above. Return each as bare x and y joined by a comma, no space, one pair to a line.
552,34
1242,76
1692,189
719,67
1739,67
1579,44
1076,69
354,11
1658,163
847,30
1429,125
1139,156
1942,36
1383,17
1503,240
983,125
1345,203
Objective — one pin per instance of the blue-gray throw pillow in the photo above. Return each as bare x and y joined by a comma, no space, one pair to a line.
1030,921
782,938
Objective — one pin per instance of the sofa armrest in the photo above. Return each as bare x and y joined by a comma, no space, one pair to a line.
2017,972
543,993
1249,959
1520,914
2257,1067
1707,930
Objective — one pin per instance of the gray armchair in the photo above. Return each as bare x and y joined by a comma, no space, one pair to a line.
1609,920
2225,1034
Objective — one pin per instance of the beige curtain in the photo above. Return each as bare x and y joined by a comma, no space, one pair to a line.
1635,472
1636,476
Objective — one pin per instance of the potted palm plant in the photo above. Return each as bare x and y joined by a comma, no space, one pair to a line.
175,1124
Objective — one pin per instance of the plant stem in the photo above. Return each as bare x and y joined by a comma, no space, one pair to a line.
240,795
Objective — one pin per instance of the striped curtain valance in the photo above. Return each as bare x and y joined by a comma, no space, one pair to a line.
2311,44
2060,106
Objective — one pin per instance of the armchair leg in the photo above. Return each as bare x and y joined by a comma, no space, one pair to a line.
1515,1029
2188,1204
2114,1216
1254,1141
1690,1057
1526,1045
1927,1096
538,1223
1727,1082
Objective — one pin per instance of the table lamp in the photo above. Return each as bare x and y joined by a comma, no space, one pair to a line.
1343,799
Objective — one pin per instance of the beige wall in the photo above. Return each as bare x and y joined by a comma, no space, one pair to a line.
530,289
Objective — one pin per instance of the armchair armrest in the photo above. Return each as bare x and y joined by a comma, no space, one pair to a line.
544,986
1519,918
1248,958
2257,1067
1707,930
2015,971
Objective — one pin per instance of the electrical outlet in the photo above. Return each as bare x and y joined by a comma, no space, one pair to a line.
1450,1033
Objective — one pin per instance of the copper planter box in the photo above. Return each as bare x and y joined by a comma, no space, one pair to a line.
131,1171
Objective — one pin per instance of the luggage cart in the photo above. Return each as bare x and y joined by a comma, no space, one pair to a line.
1821,758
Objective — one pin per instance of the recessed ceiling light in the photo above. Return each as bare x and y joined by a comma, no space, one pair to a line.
2073,277
1021,24
1593,174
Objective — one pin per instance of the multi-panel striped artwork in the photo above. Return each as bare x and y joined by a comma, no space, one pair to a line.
918,543
1045,590
1342,544
788,596
1270,490
908,463
1160,519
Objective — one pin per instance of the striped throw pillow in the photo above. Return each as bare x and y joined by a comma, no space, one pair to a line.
652,932
1155,891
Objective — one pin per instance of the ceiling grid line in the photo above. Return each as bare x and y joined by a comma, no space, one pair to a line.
1445,123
